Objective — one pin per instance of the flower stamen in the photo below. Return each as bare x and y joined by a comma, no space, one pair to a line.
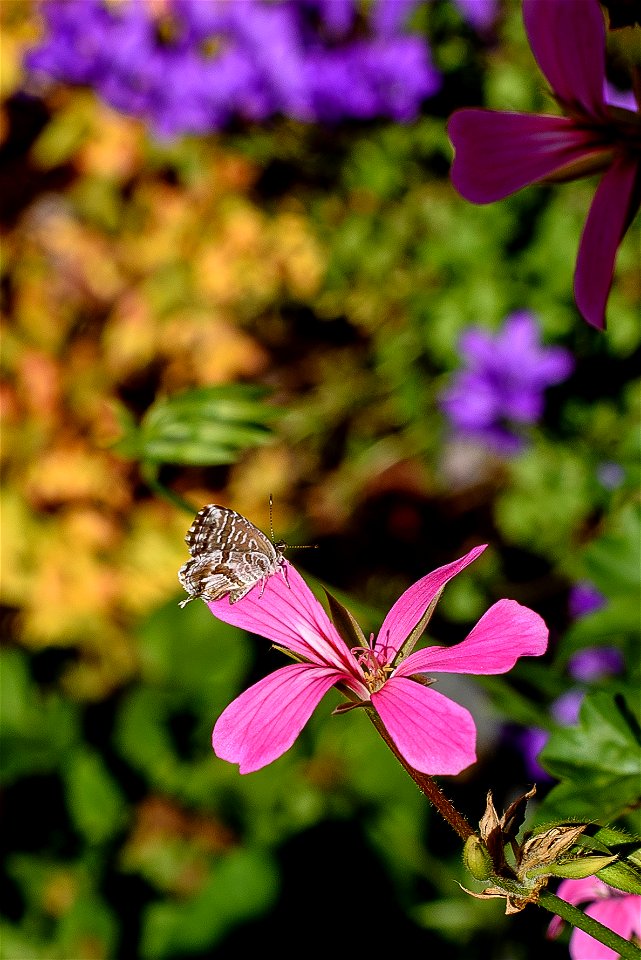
375,672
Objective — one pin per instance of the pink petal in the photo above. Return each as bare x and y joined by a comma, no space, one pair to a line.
410,607
568,40
582,890
506,632
611,211
264,721
620,914
434,734
584,947
576,892
497,154
290,616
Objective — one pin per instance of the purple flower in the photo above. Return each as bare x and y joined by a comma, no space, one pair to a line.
594,663
565,709
504,381
200,64
585,599
481,14
390,15
610,475
497,154
530,741
586,666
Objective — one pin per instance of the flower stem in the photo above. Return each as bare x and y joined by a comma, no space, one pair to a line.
570,913
426,785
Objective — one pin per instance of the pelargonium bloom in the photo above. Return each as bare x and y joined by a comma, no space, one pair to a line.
498,153
502,385
431,732
620,912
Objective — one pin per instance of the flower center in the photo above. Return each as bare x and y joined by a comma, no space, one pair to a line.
375,671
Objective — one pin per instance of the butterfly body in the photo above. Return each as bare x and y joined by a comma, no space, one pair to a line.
229,556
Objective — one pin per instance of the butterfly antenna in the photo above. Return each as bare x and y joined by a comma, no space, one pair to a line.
290,546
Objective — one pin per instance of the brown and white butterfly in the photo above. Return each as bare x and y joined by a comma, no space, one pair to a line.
229,556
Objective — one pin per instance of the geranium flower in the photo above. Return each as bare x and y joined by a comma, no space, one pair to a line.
620,912
432,733
497,154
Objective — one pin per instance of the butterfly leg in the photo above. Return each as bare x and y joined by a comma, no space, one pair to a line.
283,570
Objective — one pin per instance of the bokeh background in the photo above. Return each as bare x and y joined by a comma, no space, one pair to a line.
276,307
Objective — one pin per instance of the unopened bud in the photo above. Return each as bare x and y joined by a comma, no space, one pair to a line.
477,858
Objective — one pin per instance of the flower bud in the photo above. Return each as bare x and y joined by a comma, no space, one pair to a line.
477,858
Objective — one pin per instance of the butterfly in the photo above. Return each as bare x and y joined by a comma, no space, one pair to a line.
229,556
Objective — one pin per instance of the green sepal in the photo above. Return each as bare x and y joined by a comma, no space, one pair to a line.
576,869
625,872
288,653
345,623
624,875
347,706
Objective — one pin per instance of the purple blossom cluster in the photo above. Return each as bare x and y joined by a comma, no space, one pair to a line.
502,385
194,66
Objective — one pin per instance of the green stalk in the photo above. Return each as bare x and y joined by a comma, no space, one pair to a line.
426,785
549,901
570,913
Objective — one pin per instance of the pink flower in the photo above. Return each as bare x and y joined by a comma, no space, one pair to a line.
620,912
433,734
497,154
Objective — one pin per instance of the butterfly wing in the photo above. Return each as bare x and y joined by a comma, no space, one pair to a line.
208,531
218,528
228,555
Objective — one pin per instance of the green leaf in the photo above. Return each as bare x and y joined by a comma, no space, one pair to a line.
96,805
205,426
598,761
37,729
612,561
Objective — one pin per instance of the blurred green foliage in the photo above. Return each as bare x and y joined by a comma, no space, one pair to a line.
276,310
212,425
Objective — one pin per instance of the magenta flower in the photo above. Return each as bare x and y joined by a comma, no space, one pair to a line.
432,733
497,154
620,912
